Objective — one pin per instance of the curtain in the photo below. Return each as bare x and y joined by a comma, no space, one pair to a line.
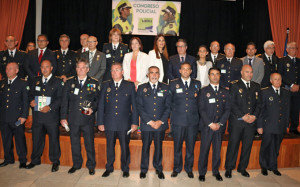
284,14
12,18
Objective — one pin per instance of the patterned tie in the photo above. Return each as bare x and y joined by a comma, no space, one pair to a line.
186,85
40,56
250,59
91,57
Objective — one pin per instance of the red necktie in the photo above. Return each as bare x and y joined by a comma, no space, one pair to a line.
83,50
41,55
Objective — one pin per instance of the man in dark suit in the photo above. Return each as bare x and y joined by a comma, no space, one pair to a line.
117,116
214,108
289,68
12,55
79,104
270,62
245,109
84,45
184,118
66,59
181,57
96,59
35,57
114,51
214,54
230,66
273,123
13,114
45,115
154,104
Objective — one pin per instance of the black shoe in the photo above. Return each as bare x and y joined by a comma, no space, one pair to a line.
264,172
55,167
125,174
244,173
174,174
160,174
31,165
218,177
295,132
22,165
92,171
142,175
106,173
202,178
190,174
276,172
5,163
72,170
228,173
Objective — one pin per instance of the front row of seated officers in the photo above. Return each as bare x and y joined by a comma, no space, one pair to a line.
118,106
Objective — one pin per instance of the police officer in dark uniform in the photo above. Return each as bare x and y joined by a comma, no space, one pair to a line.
118,116
289,68
114,51
230,66
13,114
184,118
45,89
214,108
12,55
273,123
245,110
270,62
79,104
154,105
66,59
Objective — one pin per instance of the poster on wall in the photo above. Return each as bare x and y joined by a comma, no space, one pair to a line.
146,17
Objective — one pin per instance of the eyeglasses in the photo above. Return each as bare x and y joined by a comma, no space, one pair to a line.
91,41
42,41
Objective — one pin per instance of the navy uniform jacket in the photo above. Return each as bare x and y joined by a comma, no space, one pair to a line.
244,102
153,106
229,71
214,107
32,65
113,56
19,58
275,113
219,57
269,69
73,98
13,100
174,66
184,108
66,65
117,109
52,89
289,71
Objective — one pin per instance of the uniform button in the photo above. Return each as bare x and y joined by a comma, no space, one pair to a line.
228,81
154,97
63,65
249,103
186,98
80,97
217,110
79,103
79,109
228,67
43,95
279,101
8,89
217,105
7,101
154,115
186,104
249,108
43,89
186,110
7,106
7,95
278,120
116,107
280,114
228,76
217,100
116,113
116,100
154,103
81,91
155,109
116,94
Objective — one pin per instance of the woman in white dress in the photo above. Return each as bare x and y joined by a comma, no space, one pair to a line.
203,66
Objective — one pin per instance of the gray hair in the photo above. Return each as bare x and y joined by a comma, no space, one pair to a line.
267,43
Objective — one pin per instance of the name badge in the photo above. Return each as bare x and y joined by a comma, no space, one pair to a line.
76,91
223,70
160,94
37,88
108,55
212,100
179,90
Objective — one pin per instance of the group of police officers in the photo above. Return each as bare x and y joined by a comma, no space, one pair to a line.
77,100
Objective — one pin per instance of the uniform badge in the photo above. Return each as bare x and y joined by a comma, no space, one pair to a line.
2,86
121,55
38,82
73,86
208,95
145,90
27,88
107,51
195,95
256,93
241,90
288,70
271,98
108,89
99,87
98,57
177,85
88,89
57,56
62,83
222,66
4,58
288,65
70,62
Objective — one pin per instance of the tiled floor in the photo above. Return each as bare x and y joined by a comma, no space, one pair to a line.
41,175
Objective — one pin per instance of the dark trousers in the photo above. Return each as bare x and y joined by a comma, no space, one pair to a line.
244,133
295,107
269,150
147,137
8,130
39,131
124,140
209,136
188,134
88,136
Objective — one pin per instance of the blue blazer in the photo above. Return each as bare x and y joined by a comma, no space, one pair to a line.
174,66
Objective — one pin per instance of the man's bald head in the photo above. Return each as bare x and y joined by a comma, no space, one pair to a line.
247,72
276,80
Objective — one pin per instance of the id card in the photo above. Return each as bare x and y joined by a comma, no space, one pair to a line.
108,55
179,90
37,88
160,94
212,100
76,91
223,70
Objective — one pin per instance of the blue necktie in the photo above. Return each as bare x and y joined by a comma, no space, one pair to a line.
182,59
186,85
154,89
81,83
250,59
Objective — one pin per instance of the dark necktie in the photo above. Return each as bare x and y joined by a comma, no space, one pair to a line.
250,59
154,88
117,85
248,85
294,60
115,48
186,85
215,58
182,59
9,83
81,83
45,82
64,54
228,60
270,61
277,92
216,89
11,53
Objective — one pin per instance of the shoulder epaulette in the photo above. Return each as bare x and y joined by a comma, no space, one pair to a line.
106,81
22,51
124,44
70,78
94,79
264,88
235,81
105,43
285,88
23,79
164,83
174,80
